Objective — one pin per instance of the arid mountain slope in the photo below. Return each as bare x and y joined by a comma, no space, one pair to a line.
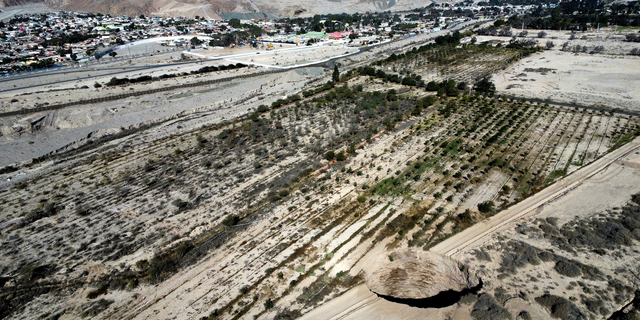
8,3
113,7
218,8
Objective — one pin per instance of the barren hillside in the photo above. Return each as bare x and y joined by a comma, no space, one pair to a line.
217,8
8,3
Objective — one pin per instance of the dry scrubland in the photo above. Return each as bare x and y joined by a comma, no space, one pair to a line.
215,213
592,69
582,79
302,55
35,135
230,220
467,65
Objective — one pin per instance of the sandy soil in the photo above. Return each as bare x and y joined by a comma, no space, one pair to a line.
583,79
72,124
321,234
616,177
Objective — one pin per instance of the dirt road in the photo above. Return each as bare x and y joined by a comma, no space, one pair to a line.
359,302
530,205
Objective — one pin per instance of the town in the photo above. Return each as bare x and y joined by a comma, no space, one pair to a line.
36,41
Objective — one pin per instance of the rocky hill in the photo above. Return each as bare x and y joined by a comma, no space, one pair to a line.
8,3
230,8
113,7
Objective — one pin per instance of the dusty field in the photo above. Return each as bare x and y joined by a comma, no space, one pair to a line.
61,128
164,199
244,206
26,137
294,57
483,248
584,79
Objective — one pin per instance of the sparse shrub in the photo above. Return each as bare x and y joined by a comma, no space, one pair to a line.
468,298
142,264
230,220
42,211
517,255
181,204
560,307
92,309
523,315
283,193
330,155
205,162
568,268
286,314
82,210
487,308
268,304
549,45
102,289
486,207
482,255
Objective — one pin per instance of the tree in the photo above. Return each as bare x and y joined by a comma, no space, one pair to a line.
230,220
268,304
485,86
195,41
432,86
330,155
485,207
73,57
408,81
113,54
336,74
234,23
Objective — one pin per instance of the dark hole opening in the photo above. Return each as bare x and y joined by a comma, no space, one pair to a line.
441,300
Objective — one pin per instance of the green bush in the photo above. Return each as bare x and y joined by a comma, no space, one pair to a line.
230,220
268,304
330,155
486,207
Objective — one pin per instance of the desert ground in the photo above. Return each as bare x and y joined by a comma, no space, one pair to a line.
267,197
615,177
34,135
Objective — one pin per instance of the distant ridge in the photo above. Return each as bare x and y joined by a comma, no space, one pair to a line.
218,9
9,3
